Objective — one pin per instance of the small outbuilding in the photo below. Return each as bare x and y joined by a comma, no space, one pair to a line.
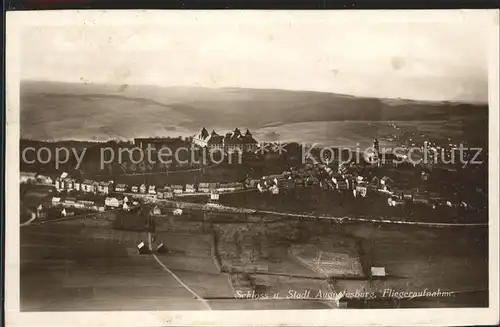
143,248
377,271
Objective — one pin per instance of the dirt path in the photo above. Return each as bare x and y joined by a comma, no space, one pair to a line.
33,217
177,278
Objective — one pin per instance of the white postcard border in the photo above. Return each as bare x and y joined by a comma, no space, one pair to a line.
386,317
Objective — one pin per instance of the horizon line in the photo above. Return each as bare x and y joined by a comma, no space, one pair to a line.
452,102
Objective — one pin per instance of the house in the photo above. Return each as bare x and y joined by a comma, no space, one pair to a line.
204,187
190,188
395,201
214,196
342,169
284,184
238,186
387,189
178,189
232,187
79,205
165,193
95,186
298,182
69,184
386,181
260,188
156,211
85,203
288,184
87,186
78,186
26,177
105,187
59,184
161,248
342,186
121,188
361,189
420,198
168,193
134,189
223,187
336,178
46,180
142,188
125,207
377,271
69,202
436,200
152,190
56,201
392,159
143,249
113,202
407,195
275,190
177,212
41,212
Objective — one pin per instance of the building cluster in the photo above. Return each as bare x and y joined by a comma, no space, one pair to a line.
229,142
351,178
114,201
66,184
34,178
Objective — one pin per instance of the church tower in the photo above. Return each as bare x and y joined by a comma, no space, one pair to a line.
376,147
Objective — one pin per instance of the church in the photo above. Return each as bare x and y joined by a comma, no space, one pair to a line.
230,142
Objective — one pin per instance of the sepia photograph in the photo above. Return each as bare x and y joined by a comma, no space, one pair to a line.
271,163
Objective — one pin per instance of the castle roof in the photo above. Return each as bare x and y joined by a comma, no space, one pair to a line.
204,133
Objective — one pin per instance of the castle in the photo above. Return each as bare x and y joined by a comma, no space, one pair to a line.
230,142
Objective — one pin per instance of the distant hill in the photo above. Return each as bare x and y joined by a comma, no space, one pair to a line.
81,111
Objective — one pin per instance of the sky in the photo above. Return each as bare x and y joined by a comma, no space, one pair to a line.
422,61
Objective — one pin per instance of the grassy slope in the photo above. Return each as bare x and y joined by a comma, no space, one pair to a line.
58,110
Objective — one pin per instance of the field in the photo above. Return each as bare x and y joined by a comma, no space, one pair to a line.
331,257
87,265
53,111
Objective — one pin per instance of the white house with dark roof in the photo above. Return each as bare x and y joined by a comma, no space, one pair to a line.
152,190
26,177
121,188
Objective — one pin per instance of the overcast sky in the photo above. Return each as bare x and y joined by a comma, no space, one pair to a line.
439,61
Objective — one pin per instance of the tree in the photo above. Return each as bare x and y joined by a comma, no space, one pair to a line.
132,167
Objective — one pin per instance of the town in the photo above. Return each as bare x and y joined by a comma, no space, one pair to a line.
381,177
